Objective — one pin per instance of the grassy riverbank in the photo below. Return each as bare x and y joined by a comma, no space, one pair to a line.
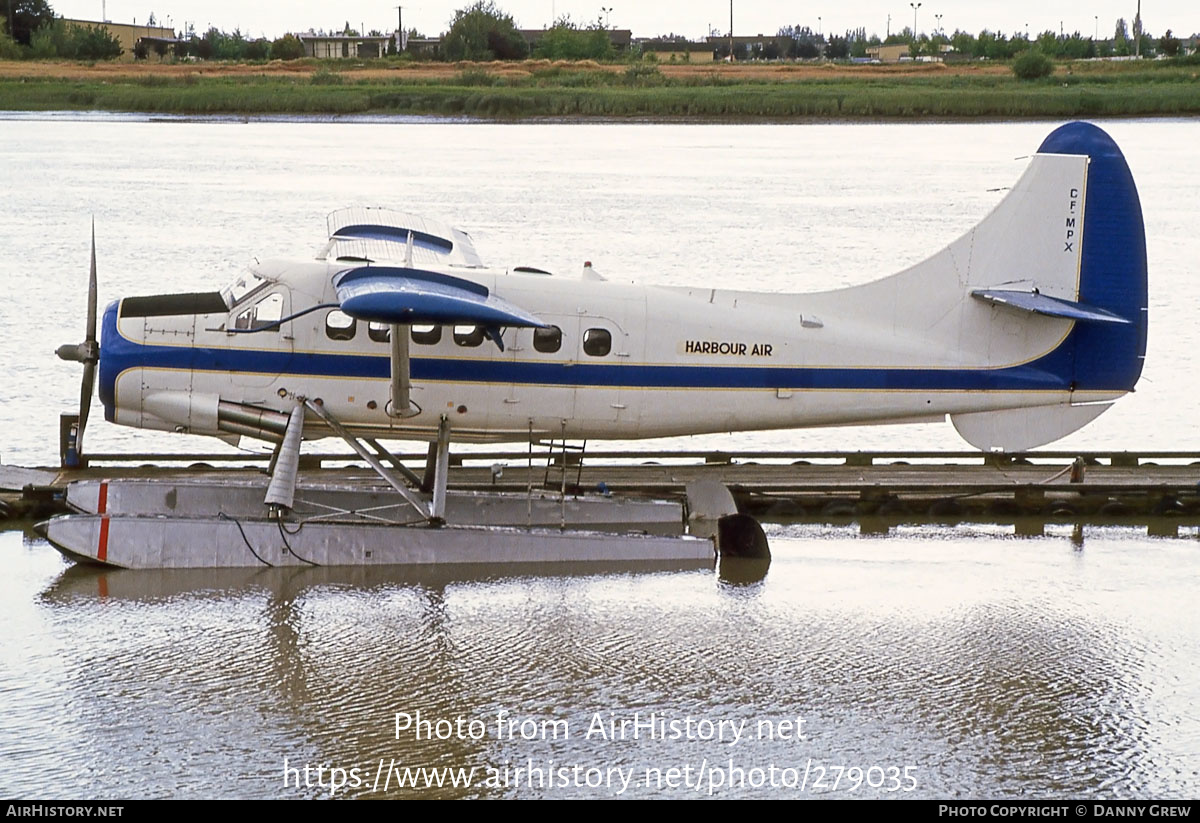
541,89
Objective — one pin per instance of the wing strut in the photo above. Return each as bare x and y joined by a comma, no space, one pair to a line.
401,405
372,461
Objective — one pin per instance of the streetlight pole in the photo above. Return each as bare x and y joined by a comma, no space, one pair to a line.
818,25
915,6
939,24
607,11
731,32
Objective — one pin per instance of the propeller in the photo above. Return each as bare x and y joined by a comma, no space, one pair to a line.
87,352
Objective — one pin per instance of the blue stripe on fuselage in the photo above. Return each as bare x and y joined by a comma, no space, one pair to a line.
125,355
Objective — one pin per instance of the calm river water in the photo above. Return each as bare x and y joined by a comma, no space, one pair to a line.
983,663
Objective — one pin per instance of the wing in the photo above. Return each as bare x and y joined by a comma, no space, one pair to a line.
403,295
377,235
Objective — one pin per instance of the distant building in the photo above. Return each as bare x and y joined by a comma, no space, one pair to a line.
127,34
758,45
678,51
332,46
888,54
424,46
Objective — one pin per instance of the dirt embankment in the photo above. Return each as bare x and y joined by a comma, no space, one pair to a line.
373,70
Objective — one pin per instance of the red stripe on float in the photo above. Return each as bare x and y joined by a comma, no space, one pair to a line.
102,551
101,508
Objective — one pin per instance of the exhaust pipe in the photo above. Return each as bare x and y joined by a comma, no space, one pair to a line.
248,421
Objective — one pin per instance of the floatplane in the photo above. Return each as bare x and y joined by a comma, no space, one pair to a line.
1021,331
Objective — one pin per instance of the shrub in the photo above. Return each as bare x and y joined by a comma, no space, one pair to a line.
643,74
287,47
474,77
1032,65
325,77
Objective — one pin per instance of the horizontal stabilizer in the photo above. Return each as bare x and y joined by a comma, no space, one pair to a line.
1033,301
1015,430
399,295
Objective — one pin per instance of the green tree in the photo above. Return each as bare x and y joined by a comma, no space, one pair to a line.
1121,39
9,50
566,41
964,43
838,48
47,42
257,49
482,31
858,42
94,43
287,47
1169,44
27,17
1047,43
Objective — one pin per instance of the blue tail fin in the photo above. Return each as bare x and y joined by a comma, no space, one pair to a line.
1106,356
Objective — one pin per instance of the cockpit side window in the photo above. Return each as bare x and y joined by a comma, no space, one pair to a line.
264,313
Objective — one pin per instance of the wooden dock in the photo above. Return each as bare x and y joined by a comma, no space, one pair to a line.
1159,489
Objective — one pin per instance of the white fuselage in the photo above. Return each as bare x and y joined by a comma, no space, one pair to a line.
677,361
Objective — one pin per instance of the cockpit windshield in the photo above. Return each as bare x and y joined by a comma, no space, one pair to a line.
243,287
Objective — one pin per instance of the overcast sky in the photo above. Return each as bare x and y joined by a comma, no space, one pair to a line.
649,19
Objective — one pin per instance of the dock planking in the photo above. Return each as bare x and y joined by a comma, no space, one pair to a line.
1094,487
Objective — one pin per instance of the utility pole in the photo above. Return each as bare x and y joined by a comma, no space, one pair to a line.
889,27
731,30
400,38
1137,33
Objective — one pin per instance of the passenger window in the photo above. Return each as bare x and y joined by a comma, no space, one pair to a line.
468,335
547,340
265,312
379,332
597,342
340,326
427,335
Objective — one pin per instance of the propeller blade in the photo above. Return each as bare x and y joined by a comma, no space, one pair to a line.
85,402
91,304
